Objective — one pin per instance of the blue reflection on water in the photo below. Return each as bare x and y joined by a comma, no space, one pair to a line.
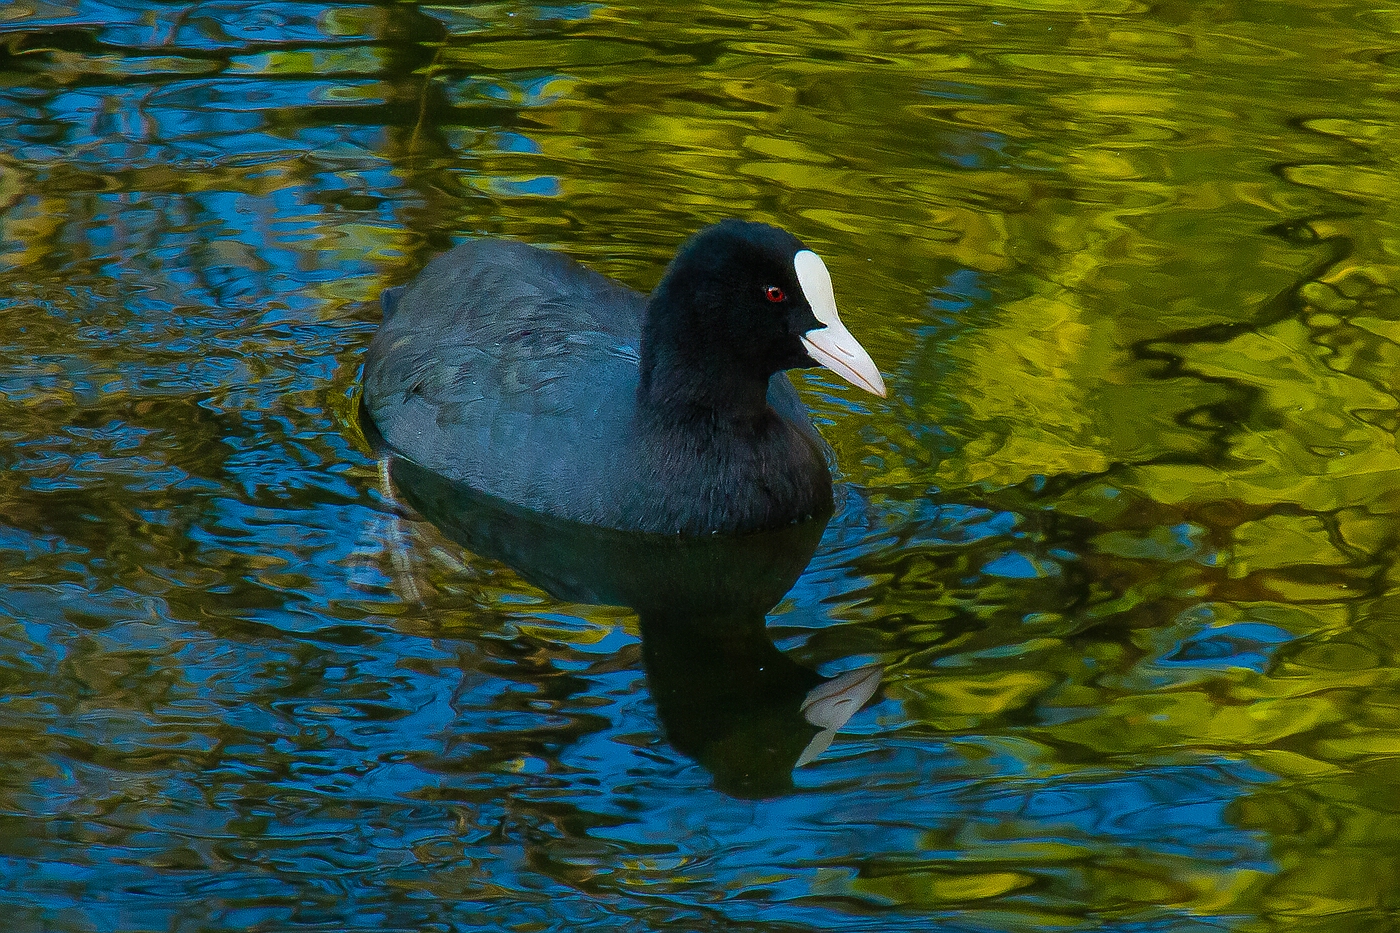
1018,566
1245,644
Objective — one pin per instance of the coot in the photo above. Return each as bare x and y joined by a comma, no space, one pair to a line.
535,380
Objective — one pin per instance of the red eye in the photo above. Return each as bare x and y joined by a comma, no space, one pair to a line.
774,294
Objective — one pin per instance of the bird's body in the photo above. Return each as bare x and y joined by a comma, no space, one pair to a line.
535,380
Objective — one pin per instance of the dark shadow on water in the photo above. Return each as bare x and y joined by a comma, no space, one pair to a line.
726,695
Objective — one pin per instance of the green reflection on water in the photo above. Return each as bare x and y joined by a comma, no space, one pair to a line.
1123,537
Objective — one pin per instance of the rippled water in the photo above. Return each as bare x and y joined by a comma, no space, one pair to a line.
1122,540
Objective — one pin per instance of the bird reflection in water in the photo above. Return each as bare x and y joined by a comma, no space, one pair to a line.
727,697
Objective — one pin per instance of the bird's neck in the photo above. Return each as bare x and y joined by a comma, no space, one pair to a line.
689,377
680,394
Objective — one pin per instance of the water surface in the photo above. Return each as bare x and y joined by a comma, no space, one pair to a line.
1122,538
